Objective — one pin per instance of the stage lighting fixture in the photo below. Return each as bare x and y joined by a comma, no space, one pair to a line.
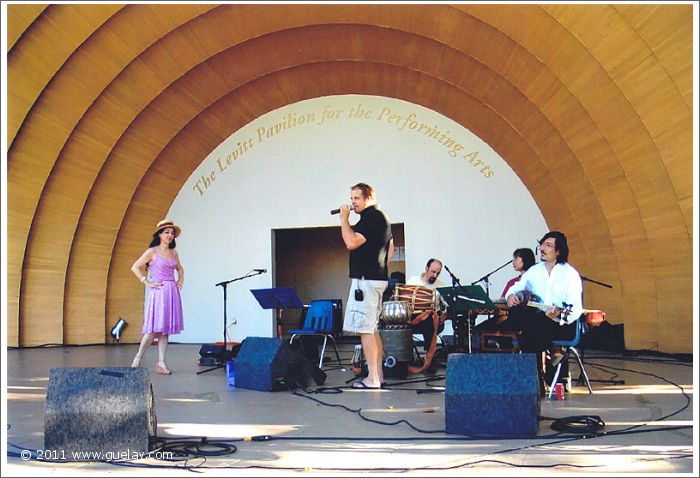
118,328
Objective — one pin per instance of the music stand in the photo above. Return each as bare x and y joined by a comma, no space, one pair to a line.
277,298
465,300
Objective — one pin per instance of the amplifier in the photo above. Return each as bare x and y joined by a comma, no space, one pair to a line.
499,342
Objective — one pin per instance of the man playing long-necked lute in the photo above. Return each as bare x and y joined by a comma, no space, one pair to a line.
559,286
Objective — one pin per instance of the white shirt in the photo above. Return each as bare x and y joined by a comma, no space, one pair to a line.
562,285
418,280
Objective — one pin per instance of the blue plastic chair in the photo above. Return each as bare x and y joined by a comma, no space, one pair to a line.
568,347
319,321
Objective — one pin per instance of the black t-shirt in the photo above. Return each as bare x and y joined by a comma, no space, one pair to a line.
370,259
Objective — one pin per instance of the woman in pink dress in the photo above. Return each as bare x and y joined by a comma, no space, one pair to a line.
163,308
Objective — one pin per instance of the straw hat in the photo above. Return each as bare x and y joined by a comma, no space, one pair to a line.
167,223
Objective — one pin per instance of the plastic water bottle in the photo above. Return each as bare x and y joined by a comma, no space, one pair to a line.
230,374
357,360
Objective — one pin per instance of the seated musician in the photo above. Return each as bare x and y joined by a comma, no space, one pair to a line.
505,320
523,259
557,283
429,280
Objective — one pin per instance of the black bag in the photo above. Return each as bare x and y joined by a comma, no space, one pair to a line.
214,354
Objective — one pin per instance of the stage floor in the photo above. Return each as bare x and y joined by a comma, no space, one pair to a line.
397,430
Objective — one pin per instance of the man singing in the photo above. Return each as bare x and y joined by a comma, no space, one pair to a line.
371,246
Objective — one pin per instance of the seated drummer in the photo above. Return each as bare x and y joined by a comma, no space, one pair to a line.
429,280
510,321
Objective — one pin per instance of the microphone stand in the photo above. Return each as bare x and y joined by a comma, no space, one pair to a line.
596,282
580,376
486,277
225,355
459,336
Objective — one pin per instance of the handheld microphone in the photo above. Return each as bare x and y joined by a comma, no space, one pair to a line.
337,211
260,270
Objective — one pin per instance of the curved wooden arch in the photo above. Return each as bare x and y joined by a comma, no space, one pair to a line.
18,21
576,90
160,179
73,87
30,73
173,103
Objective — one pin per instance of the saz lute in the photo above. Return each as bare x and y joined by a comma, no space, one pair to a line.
535,302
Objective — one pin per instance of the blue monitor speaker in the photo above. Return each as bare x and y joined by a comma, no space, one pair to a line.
261,364
268,364
492,395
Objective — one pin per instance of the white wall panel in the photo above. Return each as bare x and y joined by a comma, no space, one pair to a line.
471,215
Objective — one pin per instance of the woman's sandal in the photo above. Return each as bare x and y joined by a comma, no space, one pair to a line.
162,370
136,362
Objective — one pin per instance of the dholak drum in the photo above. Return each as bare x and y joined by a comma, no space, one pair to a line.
594,317
420,298
396,312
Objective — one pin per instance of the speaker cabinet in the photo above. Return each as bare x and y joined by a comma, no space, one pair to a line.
268,364
492,394
98,413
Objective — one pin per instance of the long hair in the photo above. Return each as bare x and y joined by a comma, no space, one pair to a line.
156,240
367,190
560,245
526,254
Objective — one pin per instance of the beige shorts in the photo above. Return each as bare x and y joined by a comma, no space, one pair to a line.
363,317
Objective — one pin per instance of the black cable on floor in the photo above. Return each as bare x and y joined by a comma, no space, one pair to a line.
198,448
358,411
581,427
579,424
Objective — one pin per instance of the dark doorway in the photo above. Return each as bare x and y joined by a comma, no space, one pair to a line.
314,262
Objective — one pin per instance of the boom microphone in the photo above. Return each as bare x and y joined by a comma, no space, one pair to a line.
260,270
337,211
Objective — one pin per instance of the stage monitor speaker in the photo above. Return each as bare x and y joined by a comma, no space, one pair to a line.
268,364
492,394
96,414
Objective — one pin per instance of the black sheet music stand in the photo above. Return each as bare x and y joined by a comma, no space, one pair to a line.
465,303
277,298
